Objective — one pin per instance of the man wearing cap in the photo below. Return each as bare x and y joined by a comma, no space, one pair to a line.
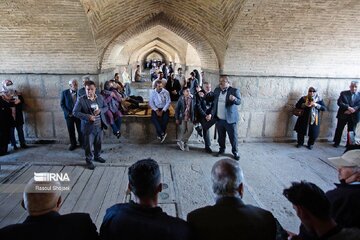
348,113
44,220
67,103
345,198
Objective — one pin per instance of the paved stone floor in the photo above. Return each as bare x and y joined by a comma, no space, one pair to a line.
268,169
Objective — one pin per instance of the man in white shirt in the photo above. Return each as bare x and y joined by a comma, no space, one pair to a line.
160,102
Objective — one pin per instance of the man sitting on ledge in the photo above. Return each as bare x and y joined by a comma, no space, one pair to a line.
44,222
142,218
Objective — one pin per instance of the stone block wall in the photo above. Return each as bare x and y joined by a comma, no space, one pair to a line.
265,111
44,118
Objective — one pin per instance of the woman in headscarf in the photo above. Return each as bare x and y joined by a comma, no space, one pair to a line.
309,122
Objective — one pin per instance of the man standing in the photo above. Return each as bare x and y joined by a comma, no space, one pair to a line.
230,218
159,102
91,109
67,103
142,218
205,104
225,111
348,113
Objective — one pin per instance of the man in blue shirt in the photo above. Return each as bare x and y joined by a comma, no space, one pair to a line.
159,102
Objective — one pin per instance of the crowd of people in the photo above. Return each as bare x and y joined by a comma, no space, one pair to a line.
334,215
197,107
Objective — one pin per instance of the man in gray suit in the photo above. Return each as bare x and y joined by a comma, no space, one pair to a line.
225,111
230,218
91,108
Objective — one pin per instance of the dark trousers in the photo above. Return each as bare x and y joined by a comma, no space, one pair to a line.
340,127
4,140
71,122
206,125
160,123
20,131
231,129
92,141
301,137
116,125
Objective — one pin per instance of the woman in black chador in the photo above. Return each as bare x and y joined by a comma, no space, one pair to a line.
309,122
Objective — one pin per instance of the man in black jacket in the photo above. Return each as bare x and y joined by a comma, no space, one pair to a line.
230,218
348,113
44,222
142,218
67,103
205,102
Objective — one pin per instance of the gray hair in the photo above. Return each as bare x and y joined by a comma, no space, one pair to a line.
40,196
356,82
72,80
226,177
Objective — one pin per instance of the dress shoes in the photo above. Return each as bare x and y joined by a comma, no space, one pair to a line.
100,160
219,153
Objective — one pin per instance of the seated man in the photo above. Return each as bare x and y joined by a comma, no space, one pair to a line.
44,221
345,198
142,218
314,210
230,218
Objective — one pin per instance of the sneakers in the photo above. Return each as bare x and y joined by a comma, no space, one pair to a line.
100,160
199,130
90,165
118,134
162,138
181,145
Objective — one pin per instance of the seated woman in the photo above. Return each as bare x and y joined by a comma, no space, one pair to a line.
309,121
127,102
112,98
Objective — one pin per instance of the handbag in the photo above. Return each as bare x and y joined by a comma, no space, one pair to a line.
298,112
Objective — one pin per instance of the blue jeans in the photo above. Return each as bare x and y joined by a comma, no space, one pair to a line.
160,123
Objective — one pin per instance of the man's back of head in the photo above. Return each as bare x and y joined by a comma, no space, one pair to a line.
230,218
310,197
42,201
142,218
227,178
144,178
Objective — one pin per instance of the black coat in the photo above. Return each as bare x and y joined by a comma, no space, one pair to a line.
19,120
344,102
345,202
231,219
52,226
303,122
171,87
129,221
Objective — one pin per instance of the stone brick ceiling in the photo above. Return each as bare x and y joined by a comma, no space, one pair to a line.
204,24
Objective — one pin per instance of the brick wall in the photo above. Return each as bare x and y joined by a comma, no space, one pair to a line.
296,38
46,37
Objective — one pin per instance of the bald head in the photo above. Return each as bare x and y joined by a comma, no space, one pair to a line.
40,198
227,178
